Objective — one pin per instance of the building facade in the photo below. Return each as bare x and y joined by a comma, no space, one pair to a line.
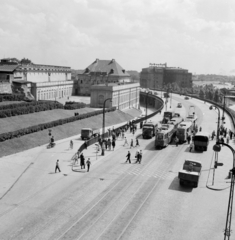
158,75
100,72
44,82
123,96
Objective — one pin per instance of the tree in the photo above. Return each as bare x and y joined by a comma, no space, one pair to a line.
201,94
216,96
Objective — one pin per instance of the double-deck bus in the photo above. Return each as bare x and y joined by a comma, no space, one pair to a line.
201,141
149,129
164,135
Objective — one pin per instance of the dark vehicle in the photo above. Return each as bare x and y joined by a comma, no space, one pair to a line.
186,98
201,141
168,115
190,173
149,129
87,133
166,95
179,105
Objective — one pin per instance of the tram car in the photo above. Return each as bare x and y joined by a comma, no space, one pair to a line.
183,130
164,135
149,128
176,121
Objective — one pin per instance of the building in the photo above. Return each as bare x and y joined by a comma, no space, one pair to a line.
158,75
44,82
123,96
100,72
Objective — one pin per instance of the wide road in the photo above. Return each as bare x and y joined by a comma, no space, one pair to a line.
116,200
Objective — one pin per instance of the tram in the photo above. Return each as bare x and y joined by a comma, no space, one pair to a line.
164,135
176,121
184,129
168,115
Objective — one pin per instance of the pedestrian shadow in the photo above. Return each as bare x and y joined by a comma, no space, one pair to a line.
51,173
175,185
79,170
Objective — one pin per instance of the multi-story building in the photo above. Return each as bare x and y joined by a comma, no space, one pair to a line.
158,75
44,82
100,72
123,96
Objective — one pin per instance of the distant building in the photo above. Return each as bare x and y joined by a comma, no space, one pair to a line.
100,72
123,96
158,75
44,82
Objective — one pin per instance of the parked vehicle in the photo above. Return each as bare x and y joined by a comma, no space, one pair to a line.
87,133
190,172
164,135
149,129
186,98
201,141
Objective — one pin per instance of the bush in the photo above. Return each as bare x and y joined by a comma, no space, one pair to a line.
74,105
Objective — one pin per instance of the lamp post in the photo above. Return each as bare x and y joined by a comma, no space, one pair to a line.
227,231
103,129
223,118
171,98
146,105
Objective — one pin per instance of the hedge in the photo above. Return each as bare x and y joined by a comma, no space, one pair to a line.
26,108
40,127
74,105
12,97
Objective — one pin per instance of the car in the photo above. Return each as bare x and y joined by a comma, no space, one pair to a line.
179,105
186,98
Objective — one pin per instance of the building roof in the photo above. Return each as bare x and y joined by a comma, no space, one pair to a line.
7,68
109,67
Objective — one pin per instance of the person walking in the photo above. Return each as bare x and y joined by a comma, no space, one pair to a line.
82,161
113,144
137,142
191,146
76,158
140,157
57,166
131,145
189,139
125,142
71,144
88,163
128,157
176,141
137,156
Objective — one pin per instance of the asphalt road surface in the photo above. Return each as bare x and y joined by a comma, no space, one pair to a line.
117,200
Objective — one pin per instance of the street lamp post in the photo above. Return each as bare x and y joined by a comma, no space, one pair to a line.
103,129
171,98
146,106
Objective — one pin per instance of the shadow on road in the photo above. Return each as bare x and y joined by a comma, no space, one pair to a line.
175,185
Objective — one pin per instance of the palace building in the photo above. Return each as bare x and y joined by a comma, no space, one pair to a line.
100,72
44,82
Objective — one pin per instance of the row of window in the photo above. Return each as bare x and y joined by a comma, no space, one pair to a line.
53,93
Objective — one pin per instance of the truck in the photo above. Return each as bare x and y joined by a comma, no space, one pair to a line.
87,133
149,129
190,173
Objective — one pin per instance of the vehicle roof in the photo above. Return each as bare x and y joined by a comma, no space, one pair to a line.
86,128
202,134
185,124
192,160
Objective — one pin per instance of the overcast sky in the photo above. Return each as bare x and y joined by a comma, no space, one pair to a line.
198,35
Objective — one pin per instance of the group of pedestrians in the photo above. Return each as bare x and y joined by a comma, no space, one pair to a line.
137,144
138,157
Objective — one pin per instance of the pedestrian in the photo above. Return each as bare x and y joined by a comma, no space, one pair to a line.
227,139
133,131
71,144
140,156
125,142
213,135
123,134
137,156
222,140
137,142
88,163
176,141
57,166
200,129
85,145
76,158
82,161
128,157
109,144
191,146
189,139
131,145
113,144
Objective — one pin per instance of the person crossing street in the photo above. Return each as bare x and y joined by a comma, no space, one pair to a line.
128,157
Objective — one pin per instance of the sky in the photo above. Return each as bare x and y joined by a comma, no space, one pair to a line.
198,35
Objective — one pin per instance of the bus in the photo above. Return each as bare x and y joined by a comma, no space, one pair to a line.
164,135
184,129
201,141
149,129
168,115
